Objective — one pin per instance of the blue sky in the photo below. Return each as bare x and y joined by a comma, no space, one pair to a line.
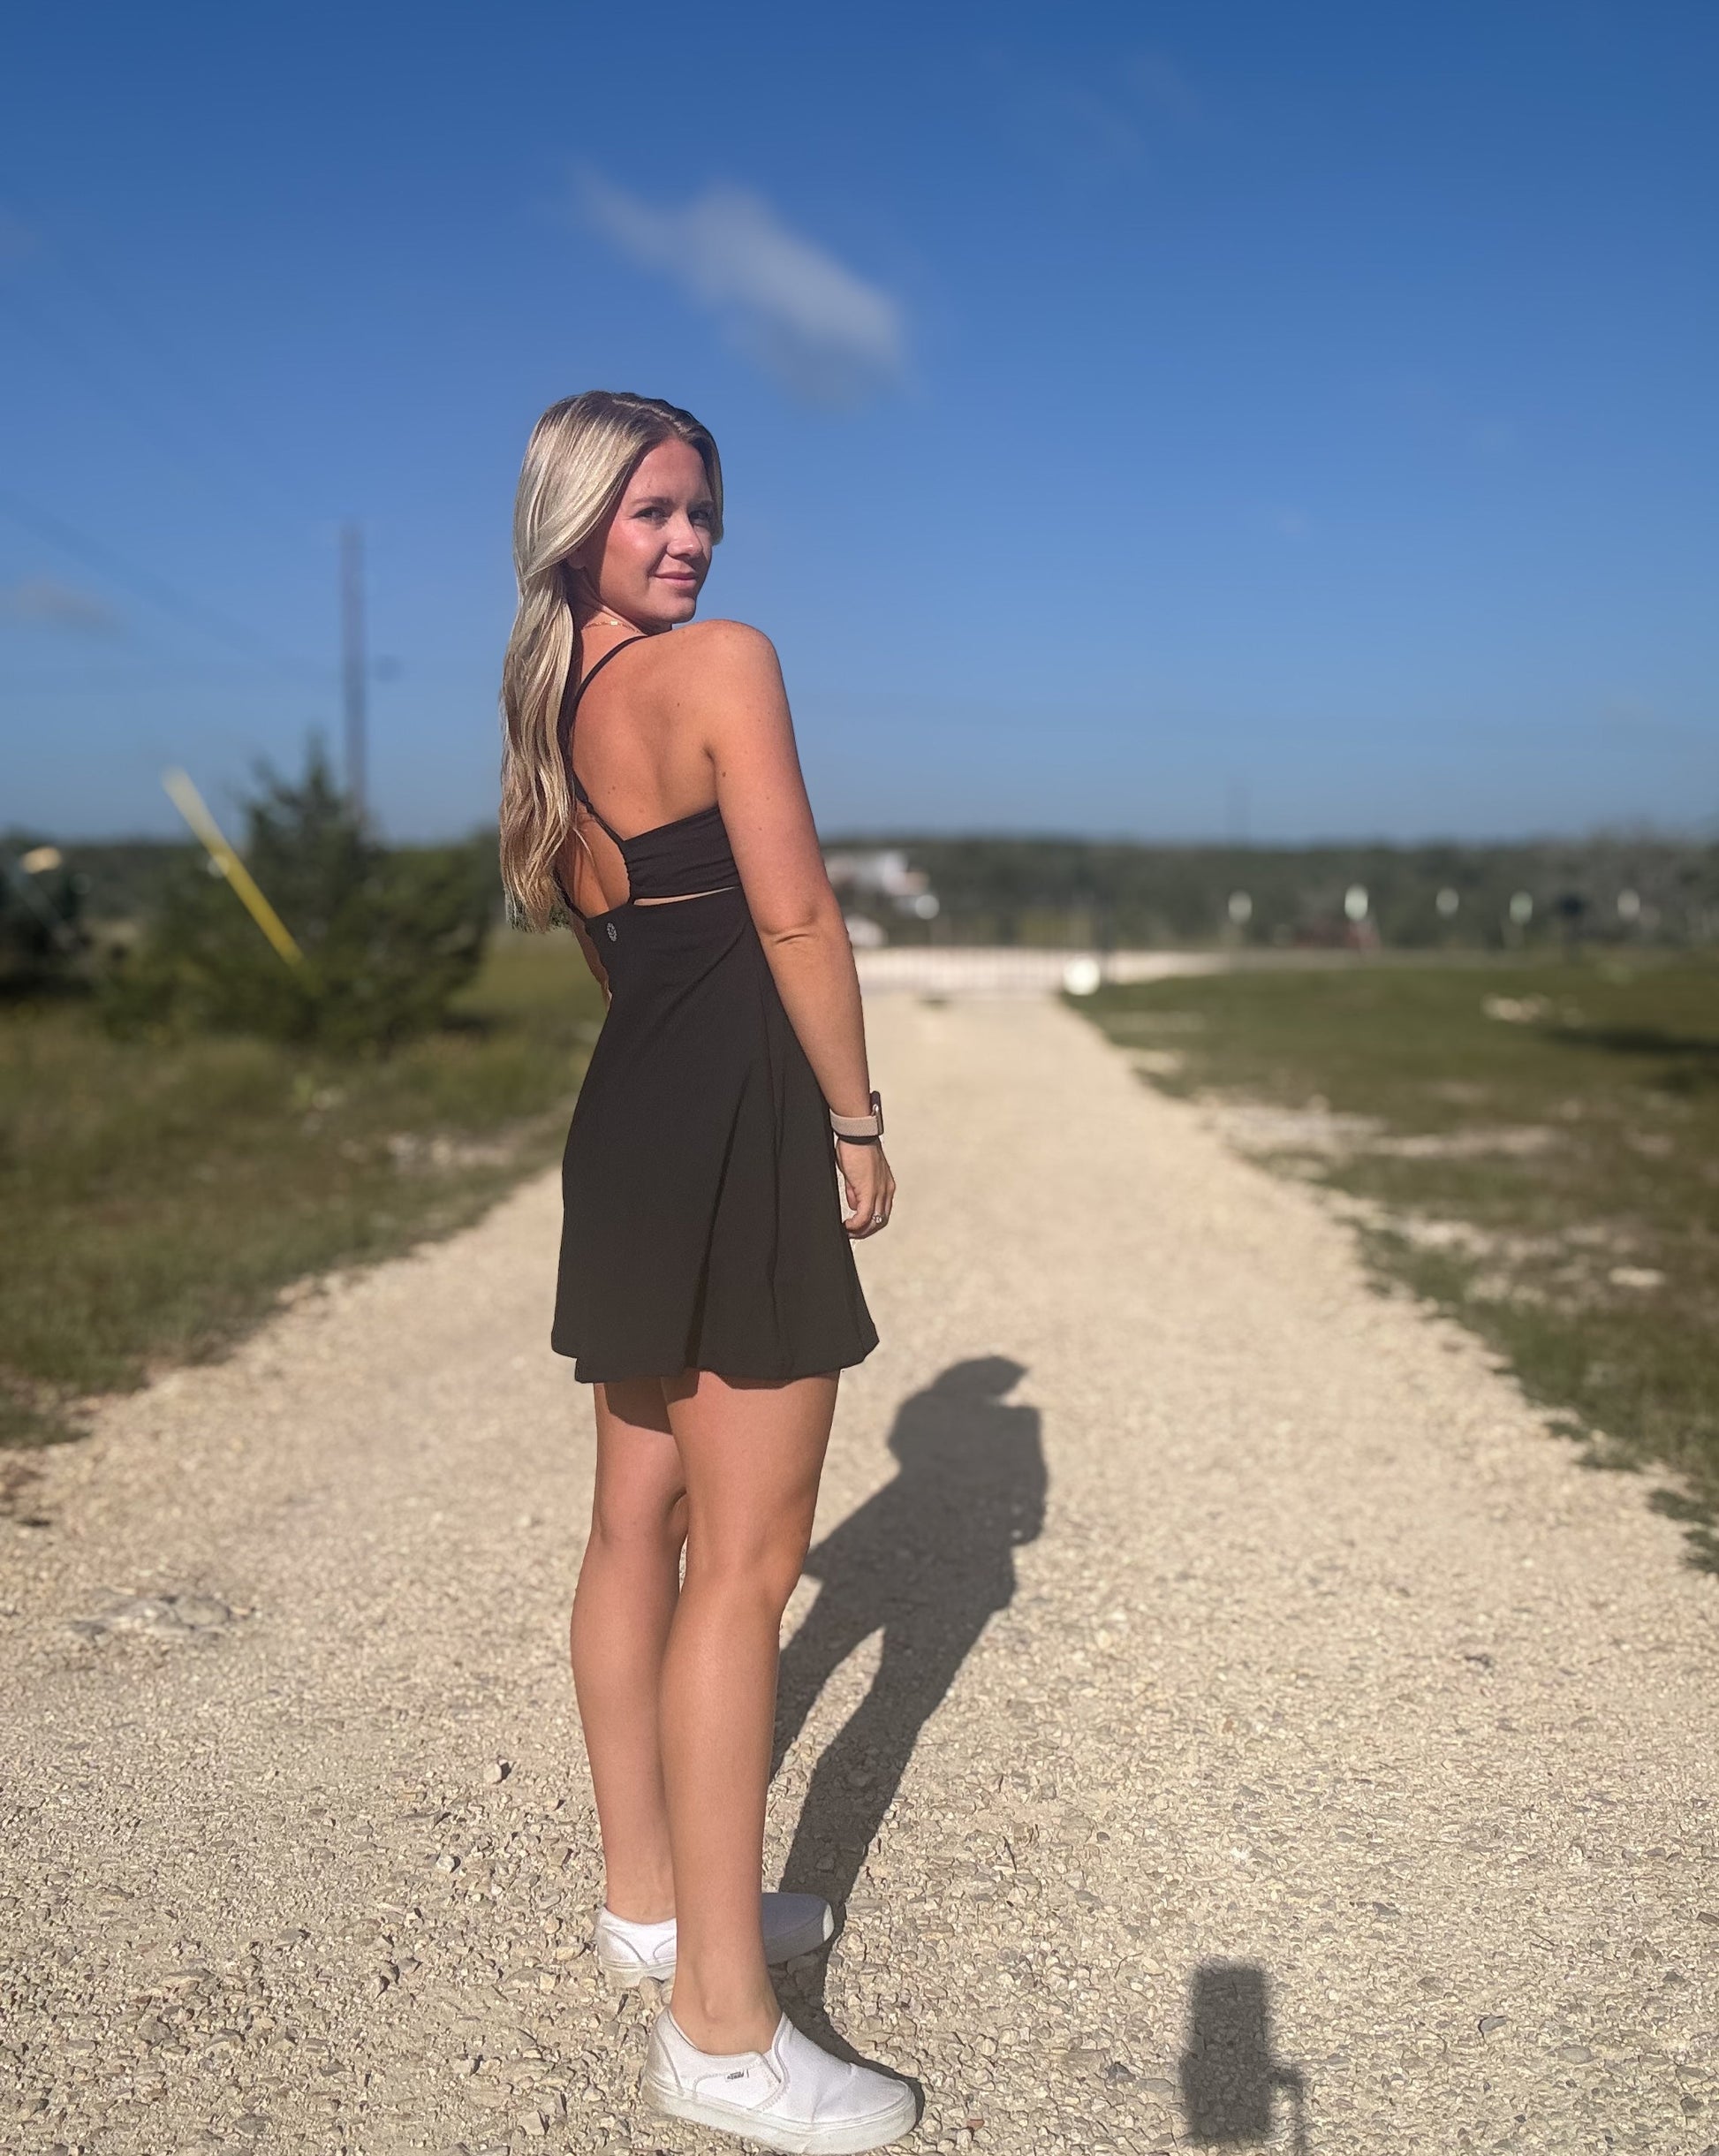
1147,420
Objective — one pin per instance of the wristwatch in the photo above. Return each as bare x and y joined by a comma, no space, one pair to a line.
859,1129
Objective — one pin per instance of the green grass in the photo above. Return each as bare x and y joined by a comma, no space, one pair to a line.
1588,1252
158,1195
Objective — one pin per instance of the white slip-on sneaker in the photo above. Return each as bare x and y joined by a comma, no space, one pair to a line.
628,1952
792,2096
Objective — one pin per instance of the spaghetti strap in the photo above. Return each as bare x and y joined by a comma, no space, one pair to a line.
584,801
569,708
612,652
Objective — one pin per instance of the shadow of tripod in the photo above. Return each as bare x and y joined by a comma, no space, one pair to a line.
1231,2079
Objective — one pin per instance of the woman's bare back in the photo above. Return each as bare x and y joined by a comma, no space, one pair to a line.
638,752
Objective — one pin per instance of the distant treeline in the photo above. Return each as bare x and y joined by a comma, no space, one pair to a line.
1117,894
353,946
127,879
1073,891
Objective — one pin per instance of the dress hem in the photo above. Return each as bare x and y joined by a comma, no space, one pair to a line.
818,1368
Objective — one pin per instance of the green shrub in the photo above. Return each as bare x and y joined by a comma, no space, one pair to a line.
388,936
42,938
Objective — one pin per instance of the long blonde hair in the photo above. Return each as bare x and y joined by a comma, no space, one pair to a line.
580,456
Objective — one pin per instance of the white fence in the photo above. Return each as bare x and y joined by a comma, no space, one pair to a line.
952,970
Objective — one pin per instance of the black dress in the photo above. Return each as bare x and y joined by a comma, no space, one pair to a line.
701,1228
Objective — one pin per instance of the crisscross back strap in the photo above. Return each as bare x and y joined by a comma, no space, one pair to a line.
580,794
614,651
584,801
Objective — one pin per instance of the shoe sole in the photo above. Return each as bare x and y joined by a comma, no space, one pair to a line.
816,1932
832,2140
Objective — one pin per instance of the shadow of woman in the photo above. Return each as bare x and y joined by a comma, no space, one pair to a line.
928,1561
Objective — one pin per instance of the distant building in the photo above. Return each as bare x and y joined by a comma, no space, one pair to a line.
879,879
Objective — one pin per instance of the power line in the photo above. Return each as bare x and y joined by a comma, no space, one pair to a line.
154,590
192,458
186,460
147,669
74,270
207,397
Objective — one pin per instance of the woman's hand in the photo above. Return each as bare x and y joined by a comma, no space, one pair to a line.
870,1188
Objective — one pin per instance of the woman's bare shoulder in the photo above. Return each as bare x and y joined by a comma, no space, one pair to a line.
720,650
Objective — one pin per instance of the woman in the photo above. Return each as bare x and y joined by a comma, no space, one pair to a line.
706,1289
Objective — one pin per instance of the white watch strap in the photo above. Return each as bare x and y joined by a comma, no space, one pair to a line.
860,1126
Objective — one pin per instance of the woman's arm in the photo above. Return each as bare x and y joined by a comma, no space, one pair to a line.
750,739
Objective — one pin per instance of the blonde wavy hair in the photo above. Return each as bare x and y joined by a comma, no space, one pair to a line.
580,456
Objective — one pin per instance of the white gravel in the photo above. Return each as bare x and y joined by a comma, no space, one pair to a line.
1334,1754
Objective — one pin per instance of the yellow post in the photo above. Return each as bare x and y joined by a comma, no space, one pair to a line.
191,805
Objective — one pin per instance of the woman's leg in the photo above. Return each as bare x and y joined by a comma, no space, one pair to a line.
627,1588
752,1455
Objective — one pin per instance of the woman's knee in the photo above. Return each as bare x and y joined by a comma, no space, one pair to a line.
761,1565
639,1526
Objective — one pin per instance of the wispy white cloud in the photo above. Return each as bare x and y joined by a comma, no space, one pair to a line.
1158,84
1074,130
1633,719
54,605
1077,128
18,240
1093,132
1282,520
1438,408
1493,437
822,329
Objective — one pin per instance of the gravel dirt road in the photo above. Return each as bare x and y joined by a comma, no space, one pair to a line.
1228,1716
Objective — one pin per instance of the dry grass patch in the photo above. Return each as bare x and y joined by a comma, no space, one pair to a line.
1534,1147
160,1195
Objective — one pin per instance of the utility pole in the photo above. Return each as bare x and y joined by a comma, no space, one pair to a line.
354,667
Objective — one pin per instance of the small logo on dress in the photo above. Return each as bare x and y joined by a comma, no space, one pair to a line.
614,933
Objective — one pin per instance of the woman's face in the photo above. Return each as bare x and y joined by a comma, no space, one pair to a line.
656,550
